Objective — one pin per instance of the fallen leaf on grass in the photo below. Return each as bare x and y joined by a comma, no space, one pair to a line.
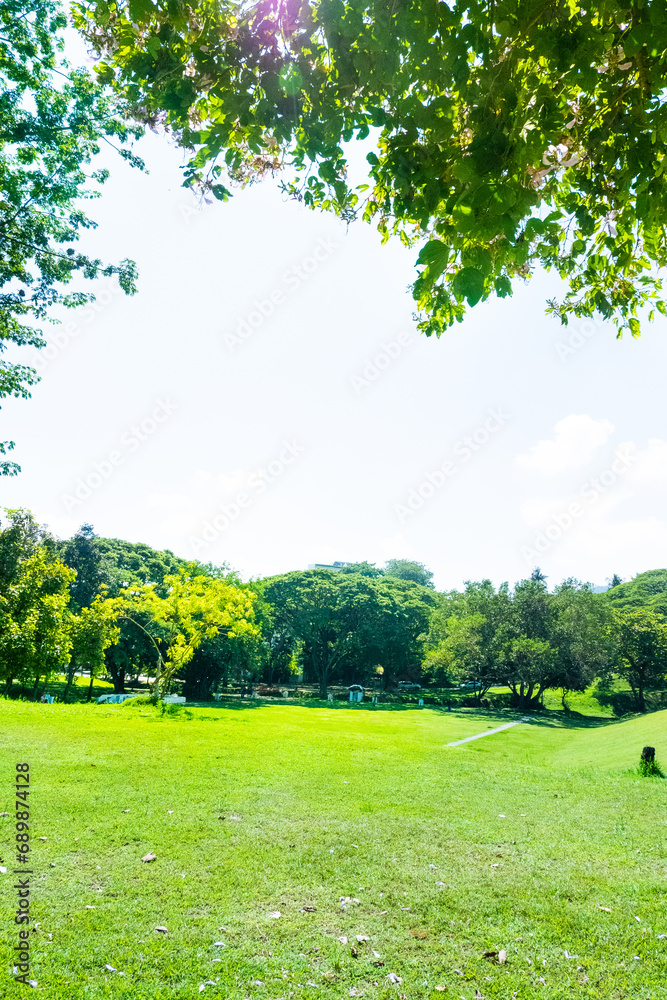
379,964
3,870
382,912
441,989
219,944
502,956
89,907
497,865
309,909
162,930
607,909
149,857
110,968
458,972
126,810
274,914
478,995
4,814
393,978
41,838
342,939
362,937
353,952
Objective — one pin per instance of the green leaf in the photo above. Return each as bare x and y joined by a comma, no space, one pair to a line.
291,80
435,254
153,45
503,286
469,283
141,10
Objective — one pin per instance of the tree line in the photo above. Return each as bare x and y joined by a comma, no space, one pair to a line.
109,607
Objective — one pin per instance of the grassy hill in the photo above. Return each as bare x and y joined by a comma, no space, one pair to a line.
356,822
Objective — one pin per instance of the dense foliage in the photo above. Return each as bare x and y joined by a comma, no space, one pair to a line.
105,606
505,136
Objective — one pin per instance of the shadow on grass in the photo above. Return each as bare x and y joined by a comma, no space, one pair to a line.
552,719
547,718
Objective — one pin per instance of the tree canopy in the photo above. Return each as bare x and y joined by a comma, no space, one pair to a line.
502,136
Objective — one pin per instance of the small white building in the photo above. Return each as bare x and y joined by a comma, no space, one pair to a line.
356,692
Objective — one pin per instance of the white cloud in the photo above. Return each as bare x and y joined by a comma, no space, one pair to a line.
576,439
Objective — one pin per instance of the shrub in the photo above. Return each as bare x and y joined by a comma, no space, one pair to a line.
648,766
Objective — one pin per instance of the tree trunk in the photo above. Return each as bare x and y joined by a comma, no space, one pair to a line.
640,695
34,690
90,686
71,670
119,681
323,685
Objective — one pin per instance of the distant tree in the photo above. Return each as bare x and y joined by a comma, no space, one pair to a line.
405,569
215,662
529,667
20,535
92,631
394,636
538,575
136,564
580,632
82,553
642,649
193,608
349,623
465,645
363,569
330,612
35,639
528,661
614,581
136,651
646,590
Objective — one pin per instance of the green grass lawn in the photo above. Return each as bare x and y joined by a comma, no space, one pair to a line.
346,821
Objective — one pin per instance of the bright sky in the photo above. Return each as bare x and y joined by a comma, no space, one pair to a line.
265,400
